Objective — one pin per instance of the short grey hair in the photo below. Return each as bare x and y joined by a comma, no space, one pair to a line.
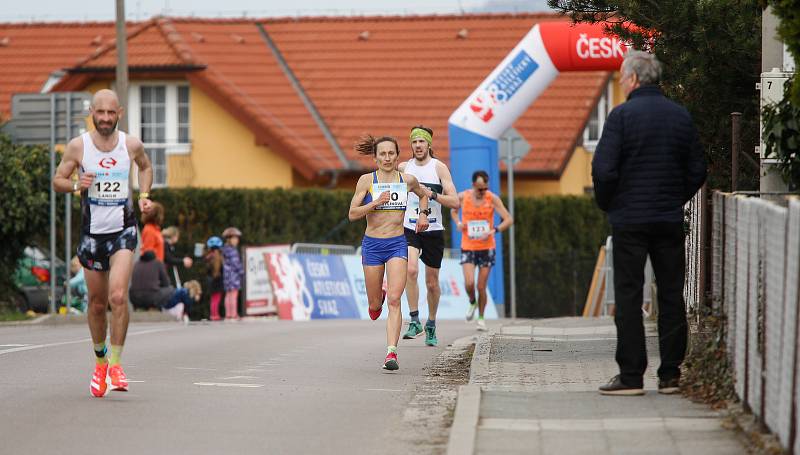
645,65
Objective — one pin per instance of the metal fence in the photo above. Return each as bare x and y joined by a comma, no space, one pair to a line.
695,224
755,272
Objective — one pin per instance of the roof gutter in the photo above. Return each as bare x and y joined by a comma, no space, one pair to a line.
304,96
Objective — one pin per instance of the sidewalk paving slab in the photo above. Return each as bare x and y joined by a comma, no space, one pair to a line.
536,384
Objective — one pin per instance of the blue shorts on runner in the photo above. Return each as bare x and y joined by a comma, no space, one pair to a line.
375,251
95,250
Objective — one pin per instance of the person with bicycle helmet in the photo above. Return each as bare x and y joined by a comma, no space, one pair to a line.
214,281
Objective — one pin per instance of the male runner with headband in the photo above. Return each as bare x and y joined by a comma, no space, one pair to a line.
436,181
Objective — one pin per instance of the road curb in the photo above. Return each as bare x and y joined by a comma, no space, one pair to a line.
468,405
465,422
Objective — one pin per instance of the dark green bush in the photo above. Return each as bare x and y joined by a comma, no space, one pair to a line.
557,240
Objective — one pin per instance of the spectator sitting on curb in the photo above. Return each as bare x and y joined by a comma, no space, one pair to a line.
150,288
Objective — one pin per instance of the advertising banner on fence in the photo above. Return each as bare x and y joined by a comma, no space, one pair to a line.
309,286
452,304
258,298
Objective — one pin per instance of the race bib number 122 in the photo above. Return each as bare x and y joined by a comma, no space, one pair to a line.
109,188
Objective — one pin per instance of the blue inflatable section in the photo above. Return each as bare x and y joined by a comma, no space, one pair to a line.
470,152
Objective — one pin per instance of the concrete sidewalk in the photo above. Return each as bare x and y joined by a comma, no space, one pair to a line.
533,390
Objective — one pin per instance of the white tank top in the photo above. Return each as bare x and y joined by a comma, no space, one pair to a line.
106,207
427,176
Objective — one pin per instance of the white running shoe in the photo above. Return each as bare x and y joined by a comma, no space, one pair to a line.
471,311
481,325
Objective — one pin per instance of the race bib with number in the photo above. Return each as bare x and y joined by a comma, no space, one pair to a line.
414,211
398,195
109,188
477,229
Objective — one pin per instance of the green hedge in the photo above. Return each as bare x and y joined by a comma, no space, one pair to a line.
557,240
557,237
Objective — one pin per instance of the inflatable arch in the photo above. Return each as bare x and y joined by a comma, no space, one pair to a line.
474,128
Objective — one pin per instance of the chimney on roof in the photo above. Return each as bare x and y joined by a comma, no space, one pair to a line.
363,36
237,38
198,37
97,40
5,41
462,34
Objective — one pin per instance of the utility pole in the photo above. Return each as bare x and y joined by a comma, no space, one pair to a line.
771,58
122,63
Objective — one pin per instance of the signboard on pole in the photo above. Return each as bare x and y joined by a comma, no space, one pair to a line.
512,144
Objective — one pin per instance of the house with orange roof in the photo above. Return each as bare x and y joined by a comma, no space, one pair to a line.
266,103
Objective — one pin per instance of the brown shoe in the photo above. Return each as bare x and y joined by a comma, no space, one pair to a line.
669,386
615,386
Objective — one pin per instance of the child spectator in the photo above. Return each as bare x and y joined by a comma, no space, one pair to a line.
232,271
151,232
171,235
214,275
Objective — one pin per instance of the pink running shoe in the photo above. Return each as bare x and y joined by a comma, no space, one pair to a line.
375,314
391,362
119,382
99,387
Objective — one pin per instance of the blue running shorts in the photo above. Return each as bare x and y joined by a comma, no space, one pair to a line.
375,251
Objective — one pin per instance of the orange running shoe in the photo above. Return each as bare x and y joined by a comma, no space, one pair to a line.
99,387
119,382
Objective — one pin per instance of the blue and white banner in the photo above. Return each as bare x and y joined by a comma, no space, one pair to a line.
309,286
452,304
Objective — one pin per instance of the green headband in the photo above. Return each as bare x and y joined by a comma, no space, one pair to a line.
419,133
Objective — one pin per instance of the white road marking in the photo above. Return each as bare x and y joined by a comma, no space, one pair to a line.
227,384
239,377
384,390
12,345
131,380
64,343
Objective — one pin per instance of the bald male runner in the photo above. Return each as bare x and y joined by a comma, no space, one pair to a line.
103,160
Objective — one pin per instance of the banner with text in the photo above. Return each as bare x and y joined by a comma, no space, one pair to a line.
258,296
309,286
452,304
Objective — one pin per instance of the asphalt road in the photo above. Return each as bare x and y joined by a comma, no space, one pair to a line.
238,388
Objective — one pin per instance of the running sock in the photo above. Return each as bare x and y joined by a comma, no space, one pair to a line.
391,349
414,316
480,316
100,352
116,353
431,323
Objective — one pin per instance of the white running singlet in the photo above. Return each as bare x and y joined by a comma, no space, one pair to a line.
106,206
426,175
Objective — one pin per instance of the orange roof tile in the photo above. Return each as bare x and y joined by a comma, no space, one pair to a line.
149,46
378,75
383,75
35,50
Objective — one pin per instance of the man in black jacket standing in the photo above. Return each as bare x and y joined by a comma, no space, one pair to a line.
648,164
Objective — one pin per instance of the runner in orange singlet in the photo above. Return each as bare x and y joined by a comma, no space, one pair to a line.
478,206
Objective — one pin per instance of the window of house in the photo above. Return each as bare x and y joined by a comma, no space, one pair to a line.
160,117
594,126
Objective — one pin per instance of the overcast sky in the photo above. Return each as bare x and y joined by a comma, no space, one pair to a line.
72,10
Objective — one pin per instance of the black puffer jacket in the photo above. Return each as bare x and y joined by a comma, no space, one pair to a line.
649,161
